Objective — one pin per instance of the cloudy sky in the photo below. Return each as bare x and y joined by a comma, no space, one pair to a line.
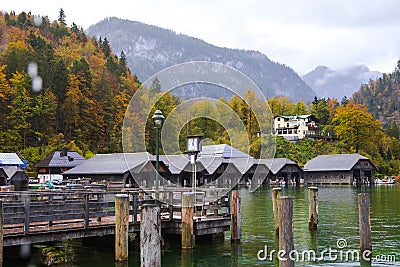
299,33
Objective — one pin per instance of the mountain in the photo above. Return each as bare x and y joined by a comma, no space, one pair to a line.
336,84
382,98
150,49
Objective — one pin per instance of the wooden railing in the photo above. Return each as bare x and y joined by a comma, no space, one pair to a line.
25,212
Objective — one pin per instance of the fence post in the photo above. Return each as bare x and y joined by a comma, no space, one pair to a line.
312,208
365,226
86,208
187,220
51,210
150,236
236,217
27,206
276,194
121,227
286,242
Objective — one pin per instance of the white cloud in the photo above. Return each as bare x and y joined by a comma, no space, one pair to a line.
301,34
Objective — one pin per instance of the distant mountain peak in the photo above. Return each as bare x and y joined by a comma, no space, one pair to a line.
331,83
150,49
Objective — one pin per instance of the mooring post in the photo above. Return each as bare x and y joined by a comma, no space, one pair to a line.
276,194
150,236
1,233
121,227
286,242
364,226
312,208
236,223
187,220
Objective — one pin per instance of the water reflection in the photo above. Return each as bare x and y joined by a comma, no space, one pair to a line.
338,219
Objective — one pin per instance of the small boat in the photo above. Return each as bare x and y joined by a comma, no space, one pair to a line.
389,180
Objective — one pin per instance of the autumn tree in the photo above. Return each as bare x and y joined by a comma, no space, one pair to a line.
357,128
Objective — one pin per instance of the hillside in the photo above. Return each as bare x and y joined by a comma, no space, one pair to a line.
329,83
57,86
150,49
382,97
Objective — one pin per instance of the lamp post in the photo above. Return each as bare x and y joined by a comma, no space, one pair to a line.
158,119
193,147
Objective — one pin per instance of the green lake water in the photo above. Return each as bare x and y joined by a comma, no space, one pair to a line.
338,220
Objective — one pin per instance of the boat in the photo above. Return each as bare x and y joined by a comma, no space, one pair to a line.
386,180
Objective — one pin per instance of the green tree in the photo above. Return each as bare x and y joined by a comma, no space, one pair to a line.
61,17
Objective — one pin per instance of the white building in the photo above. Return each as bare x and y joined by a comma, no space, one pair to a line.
295,127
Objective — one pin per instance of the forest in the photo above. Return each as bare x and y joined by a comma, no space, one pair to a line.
59,88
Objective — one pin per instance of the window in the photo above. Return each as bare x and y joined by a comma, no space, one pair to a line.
341,176
287,125
278,119
326,176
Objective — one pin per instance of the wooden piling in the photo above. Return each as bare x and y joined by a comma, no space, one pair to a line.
312,208
286,242
187,220
121,227
150,236
364,226
276,194
236,223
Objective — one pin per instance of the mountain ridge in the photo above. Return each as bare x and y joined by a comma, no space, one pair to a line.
149,49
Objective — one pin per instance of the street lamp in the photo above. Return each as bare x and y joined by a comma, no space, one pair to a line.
193,147
158,119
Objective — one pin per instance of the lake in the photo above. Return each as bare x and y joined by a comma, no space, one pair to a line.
337,232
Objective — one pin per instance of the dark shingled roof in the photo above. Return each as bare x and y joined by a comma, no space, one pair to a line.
276,164
56,160
224,151
117,163
334,162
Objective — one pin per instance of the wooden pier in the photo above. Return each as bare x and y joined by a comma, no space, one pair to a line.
43,216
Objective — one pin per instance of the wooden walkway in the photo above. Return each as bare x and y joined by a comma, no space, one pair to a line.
43,216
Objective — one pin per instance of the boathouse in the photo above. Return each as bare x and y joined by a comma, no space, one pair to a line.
117,169
249,168
12,171
55,163
339,169
282,170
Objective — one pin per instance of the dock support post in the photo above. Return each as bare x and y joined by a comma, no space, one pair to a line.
312,208
365,226
86,207
121,227
27,210
187,220
1,233
276,194
150,236
236,223
286,242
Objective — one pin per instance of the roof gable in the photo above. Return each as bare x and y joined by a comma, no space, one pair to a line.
10,159
334,162
276,164
117,163
224,151
57,160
